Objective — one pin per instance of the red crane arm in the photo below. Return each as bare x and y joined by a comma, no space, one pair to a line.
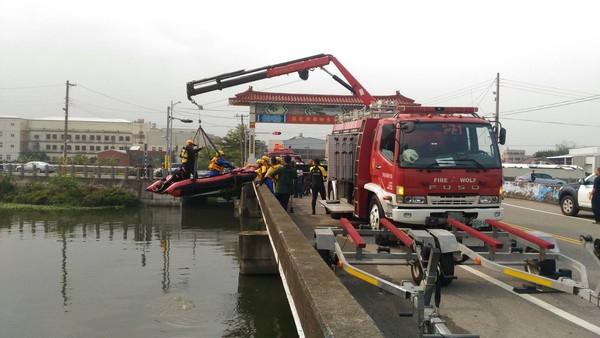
302,66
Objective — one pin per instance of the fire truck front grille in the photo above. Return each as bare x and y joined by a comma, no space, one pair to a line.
453,200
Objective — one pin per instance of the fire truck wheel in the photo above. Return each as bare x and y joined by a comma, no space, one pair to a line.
375,213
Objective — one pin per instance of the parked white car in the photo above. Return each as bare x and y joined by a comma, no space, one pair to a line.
37,166
573,197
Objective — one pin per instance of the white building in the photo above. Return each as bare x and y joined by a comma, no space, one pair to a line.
586,157
85,136
13,137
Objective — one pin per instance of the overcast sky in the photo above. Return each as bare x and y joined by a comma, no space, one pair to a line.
129,59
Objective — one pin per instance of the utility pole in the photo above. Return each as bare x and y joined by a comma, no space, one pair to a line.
66,109
242,139
497,104
168,155
170,144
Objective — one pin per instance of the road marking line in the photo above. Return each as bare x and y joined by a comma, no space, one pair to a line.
561,313
531,209
559,237
572,218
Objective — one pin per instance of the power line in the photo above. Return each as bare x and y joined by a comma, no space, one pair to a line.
119,100
550,89
553,122
29,104
551,105
29,87
113,109
459,93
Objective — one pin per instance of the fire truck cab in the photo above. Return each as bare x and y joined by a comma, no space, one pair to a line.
415,165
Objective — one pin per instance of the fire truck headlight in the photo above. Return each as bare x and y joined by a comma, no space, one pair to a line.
488,199
414,199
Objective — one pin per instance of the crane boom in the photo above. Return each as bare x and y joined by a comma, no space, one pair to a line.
302,66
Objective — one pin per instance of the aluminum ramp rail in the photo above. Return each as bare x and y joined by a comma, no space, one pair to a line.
429,321
538,252
530,256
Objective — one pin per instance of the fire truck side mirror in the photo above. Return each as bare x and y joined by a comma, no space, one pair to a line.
408,127
502,136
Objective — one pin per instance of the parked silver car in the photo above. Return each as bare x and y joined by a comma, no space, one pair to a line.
540,178
37,166
159,171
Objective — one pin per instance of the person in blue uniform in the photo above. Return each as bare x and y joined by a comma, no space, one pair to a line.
595,196
218,165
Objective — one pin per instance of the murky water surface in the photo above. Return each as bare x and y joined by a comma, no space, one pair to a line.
145,273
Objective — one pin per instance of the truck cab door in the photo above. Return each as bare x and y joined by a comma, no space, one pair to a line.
382,159
583,191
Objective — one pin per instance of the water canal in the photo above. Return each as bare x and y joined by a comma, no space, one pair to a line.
153,272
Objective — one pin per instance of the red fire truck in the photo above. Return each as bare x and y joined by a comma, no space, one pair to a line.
412,164
415,165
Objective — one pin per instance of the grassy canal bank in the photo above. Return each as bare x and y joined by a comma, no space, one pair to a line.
59,193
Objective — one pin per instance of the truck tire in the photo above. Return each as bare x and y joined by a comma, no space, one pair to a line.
446,268
375,213
568,206
416,272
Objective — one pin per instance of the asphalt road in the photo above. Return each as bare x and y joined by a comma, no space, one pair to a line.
482,301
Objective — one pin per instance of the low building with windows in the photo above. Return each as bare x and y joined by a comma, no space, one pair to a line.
85,136
13,137
513,156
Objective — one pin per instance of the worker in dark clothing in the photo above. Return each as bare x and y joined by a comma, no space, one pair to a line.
188,160
595,196
286,182
318,176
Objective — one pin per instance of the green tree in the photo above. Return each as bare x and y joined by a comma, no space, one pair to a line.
80,159
232,143
561,149
110,161
29,155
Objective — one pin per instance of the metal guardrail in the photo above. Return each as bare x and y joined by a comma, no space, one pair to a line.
81,171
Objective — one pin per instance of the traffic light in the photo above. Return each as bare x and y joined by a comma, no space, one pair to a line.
276,133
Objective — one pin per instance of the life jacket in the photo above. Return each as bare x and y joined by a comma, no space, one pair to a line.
214,165
261,171
183,155
273,167
317,174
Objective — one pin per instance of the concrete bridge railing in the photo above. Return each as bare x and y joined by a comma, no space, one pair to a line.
323,305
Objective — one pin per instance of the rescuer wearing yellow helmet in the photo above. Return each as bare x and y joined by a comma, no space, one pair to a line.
188,160
218,164
261,169
188,157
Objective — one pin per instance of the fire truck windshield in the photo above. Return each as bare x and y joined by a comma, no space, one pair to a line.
449,144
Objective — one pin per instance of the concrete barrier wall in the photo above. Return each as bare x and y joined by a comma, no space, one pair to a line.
325,307
532,191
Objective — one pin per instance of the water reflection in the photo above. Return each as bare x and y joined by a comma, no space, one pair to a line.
164,272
